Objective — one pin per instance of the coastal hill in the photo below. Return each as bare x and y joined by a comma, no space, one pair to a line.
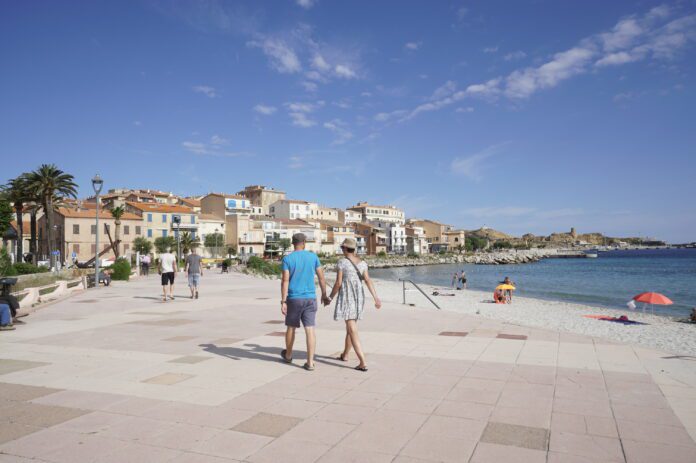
561,239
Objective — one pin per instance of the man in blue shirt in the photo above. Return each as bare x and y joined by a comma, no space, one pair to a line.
298,298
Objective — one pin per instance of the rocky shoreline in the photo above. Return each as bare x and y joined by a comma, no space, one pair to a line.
483,258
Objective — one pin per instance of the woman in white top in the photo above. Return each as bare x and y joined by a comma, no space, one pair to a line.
350,273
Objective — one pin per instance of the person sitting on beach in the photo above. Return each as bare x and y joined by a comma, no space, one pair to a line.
692,318
508,292
499,296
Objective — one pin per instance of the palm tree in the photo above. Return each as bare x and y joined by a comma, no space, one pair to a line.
164,244
117,212
142,245
51,185
19,196
188,242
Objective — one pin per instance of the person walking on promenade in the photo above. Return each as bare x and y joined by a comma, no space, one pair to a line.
351,271
167,268
455,279
298,299
194,268
145,265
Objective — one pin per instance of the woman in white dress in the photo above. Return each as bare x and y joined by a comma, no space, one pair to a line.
350,274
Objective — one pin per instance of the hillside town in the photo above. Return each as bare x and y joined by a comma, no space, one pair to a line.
255,221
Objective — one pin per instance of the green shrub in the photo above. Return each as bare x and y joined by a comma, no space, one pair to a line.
6,267
228,262
121,269
412,255
259,265
382,254
23,268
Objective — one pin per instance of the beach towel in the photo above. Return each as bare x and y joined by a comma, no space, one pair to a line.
623,319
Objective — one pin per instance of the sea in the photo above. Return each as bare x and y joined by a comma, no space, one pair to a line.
609,281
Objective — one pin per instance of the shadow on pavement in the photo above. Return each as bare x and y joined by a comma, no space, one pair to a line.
257,352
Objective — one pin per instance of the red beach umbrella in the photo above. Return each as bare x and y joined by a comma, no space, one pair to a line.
653,298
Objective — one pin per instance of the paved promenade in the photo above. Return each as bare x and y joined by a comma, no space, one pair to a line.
115,375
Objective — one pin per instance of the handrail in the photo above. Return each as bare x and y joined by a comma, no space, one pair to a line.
404,281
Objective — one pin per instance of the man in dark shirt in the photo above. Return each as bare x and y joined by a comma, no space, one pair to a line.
194,268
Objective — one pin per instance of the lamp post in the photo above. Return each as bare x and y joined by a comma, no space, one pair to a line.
97,184
217,247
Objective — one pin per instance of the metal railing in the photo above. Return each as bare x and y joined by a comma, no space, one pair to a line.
404,281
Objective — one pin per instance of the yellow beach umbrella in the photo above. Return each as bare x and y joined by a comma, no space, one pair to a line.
505,287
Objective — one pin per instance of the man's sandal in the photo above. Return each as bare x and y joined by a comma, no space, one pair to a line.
285,359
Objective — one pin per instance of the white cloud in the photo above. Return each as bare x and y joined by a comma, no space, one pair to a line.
413,46
301,120
344,71
473,166
515,55
462,12
210,92
384,117
137,123
306,4
296,162
320,63
265,110
614,59
491,49
214,148
338,127
444,90
281,55
366,94
467,109
310,86
218,140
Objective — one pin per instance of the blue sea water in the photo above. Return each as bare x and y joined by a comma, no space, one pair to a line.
609,281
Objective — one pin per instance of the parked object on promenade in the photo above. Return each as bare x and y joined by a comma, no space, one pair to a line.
298,297
5,318
651,299
351,272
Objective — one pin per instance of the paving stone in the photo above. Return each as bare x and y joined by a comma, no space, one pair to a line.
10,431
518,436
225,341
190,359
40,415
24,392
166,322
494,453
179,338
439,448
349,414
343,454
454,333
10,366
595,447
520,337
649,452
266,424
461,409
137,453
289,451
319,431
232,444
167,379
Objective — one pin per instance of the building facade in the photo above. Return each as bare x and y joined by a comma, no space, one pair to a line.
221,205
292,209
158,219
262,196
371,213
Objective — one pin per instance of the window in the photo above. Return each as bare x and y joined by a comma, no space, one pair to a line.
164,233
76,248
149,217
93,229
193,219
126,230
76,229
137,230
149,233
164,218
107,227
94,248
126,247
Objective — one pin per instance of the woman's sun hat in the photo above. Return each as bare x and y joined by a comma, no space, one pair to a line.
349,243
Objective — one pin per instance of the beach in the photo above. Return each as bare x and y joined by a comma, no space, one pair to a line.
657,332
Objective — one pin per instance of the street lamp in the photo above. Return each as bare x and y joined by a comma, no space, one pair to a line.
176,219
217,247
97,184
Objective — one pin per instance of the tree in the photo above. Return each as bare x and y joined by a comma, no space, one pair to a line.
117,212
474,243
460,248
284,244
188,242
214,240
19,195
231,251
142,245
5,216
164,244
51,186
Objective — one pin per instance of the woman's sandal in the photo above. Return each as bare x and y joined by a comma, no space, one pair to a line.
359,368
342,358
308,367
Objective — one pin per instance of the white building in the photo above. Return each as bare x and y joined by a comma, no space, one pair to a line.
292,209
371,213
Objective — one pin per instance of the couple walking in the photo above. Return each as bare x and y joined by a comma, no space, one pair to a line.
299,303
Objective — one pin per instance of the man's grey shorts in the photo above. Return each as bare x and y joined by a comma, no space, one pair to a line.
304,310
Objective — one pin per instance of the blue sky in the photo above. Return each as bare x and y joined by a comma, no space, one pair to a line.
525,116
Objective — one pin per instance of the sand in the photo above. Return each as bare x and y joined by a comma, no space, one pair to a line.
657,331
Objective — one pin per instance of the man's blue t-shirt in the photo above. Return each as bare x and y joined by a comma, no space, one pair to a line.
302,265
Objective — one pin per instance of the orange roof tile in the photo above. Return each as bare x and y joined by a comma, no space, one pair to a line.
157,207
